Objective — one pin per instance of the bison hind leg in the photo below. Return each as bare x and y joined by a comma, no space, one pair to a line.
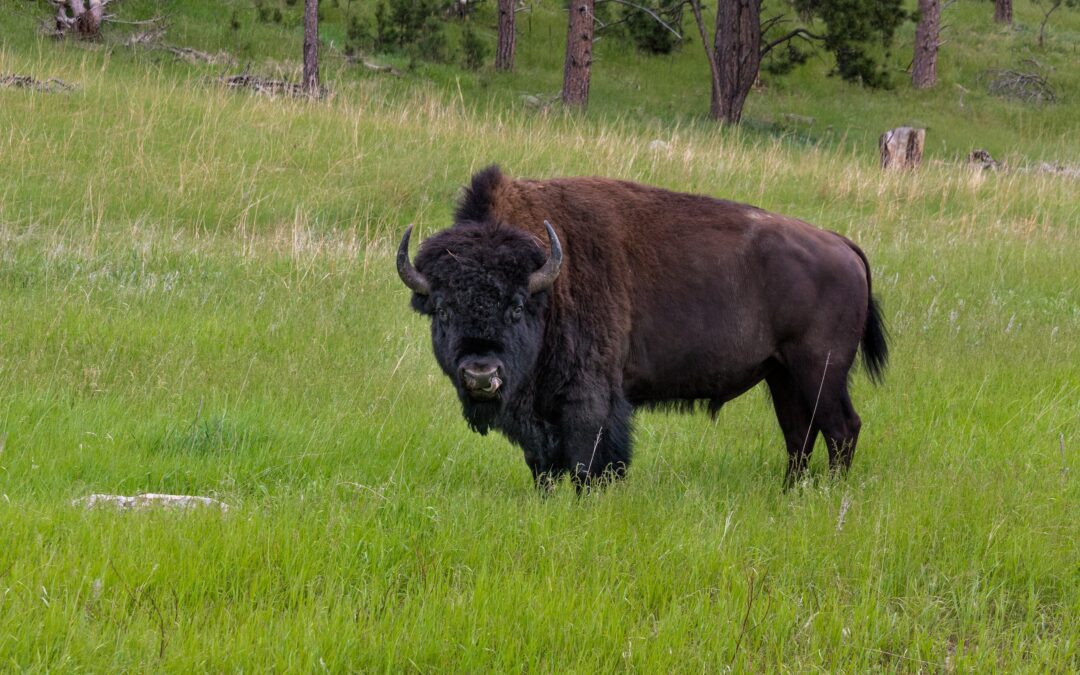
823,384
842,433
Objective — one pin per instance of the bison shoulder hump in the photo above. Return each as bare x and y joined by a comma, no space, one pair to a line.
476,200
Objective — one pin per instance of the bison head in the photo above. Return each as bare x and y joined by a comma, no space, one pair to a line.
484,286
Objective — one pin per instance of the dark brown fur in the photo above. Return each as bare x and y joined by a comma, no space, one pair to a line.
671,299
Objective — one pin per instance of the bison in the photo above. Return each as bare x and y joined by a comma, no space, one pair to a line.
646,298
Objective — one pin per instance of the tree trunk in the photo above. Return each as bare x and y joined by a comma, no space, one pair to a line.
902,148
578,67
1003,11
737,50
924,67
310,81
504,53
734,57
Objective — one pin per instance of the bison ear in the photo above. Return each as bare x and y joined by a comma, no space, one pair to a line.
409,274
543,278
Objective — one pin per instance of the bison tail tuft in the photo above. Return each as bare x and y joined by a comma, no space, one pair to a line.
875,344
875,339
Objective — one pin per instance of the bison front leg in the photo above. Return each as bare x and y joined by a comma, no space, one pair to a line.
545,473
596,439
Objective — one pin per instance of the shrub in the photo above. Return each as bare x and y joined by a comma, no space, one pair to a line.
473,48
411,26
649,35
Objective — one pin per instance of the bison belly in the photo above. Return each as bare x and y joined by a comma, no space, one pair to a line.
708,339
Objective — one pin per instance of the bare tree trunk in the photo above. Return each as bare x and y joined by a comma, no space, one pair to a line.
738,55
504,53
310,81
1003,11
578,67
924,67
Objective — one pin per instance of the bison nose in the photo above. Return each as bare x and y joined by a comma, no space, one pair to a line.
481,378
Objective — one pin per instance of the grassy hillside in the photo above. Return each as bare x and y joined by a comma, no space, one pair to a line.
198,296
668,90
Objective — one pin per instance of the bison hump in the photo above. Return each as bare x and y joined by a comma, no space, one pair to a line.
476,201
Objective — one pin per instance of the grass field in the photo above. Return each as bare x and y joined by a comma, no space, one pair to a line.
197,296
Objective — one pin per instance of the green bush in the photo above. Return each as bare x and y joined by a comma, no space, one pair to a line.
432,44
474,49
358,36
401,23
649,35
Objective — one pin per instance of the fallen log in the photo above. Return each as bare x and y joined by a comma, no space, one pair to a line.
51,85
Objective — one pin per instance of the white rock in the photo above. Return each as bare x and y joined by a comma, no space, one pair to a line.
146,500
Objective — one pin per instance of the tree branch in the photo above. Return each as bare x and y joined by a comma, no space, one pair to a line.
695,5
1046,17
768,24
797,33
153,21
647,11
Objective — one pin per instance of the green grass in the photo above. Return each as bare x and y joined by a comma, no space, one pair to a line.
198,296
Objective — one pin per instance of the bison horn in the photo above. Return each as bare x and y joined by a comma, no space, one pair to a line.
412,278
543,278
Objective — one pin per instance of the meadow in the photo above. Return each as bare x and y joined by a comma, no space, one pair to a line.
197,296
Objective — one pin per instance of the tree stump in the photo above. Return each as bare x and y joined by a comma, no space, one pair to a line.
902,148
86,20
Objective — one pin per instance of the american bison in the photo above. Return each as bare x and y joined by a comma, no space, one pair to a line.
646,298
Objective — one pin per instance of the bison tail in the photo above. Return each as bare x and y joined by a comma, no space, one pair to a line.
875,339
875,344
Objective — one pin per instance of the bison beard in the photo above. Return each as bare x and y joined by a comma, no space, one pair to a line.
481,416
662,299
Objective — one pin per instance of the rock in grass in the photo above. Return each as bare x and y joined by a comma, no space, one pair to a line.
147,500
981,159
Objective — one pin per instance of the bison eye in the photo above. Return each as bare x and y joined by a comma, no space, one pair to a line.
515,311
442,313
